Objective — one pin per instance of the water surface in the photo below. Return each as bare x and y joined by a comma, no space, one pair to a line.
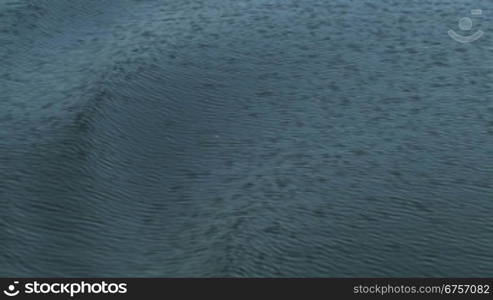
245,138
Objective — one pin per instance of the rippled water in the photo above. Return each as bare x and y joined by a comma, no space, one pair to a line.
245,138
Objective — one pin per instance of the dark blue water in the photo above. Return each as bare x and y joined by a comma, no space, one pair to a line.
245,138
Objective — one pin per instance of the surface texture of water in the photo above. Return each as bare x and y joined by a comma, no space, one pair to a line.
245,138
